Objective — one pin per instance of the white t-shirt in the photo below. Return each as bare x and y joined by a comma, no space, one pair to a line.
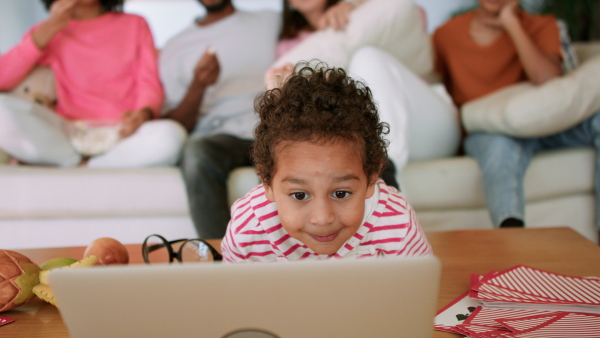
245,44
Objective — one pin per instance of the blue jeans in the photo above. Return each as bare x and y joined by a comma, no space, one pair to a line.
206,164
504,159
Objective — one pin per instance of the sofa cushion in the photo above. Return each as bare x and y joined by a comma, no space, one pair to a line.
575,211
43,192
394,26
525,110
456,183
586,50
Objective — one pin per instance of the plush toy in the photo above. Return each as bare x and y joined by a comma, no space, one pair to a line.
102,251
58,262
18,276
21,279
43,289
38,86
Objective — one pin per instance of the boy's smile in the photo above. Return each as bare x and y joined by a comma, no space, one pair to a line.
320,191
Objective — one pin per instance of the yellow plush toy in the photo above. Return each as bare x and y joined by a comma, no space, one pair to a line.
39,86
43,289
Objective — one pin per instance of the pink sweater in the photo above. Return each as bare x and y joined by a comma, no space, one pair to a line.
102,67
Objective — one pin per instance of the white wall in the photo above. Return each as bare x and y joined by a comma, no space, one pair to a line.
439,11
16,17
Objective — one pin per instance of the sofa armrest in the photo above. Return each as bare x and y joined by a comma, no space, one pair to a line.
586,50
4,157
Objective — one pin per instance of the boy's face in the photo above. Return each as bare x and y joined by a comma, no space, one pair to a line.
320,191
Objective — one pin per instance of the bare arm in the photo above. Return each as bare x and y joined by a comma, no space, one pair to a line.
539,66
61,13
205,74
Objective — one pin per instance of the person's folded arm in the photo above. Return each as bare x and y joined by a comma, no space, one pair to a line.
539,66
18,62
205,74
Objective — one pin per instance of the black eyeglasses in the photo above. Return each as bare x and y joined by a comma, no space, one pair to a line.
156,249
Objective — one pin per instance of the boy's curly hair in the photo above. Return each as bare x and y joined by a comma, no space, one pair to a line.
319,104
108,5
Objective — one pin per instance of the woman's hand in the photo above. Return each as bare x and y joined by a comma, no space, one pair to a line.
276,77
337,16
133,119
61,13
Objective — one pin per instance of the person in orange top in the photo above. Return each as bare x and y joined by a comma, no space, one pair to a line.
494,46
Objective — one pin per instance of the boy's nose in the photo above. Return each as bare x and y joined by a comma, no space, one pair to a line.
322,213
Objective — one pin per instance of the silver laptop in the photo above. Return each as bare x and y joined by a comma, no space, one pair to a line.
384,297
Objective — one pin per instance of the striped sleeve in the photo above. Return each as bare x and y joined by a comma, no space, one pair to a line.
416,243
247,235
230,250
400,227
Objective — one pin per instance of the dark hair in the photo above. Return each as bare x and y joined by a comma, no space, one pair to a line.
293,22
109,5
319,104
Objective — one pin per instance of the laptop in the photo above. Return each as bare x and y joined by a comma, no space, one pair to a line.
383,297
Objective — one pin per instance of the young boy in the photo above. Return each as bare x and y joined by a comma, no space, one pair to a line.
319,150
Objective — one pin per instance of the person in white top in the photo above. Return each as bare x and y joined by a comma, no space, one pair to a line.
423,124
319,151
211,72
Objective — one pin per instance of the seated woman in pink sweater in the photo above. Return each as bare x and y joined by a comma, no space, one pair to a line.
105,66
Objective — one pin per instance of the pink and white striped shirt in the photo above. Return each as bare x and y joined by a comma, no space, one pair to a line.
390,227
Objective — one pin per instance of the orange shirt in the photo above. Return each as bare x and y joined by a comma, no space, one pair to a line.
470,70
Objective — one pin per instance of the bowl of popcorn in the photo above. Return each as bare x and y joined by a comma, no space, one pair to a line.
93,137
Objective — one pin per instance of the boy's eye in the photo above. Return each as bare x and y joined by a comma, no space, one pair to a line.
299,196
341,194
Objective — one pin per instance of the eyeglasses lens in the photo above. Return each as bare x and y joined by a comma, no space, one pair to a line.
195,251
157,250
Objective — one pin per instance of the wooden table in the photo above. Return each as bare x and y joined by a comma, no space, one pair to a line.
559,250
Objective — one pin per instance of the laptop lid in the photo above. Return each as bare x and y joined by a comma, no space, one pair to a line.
384,297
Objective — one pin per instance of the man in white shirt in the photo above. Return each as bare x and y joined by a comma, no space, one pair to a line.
211,73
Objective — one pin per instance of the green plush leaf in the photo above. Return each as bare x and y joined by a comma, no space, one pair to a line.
27,281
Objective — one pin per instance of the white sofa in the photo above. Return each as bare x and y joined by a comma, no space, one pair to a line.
46,207
51,207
